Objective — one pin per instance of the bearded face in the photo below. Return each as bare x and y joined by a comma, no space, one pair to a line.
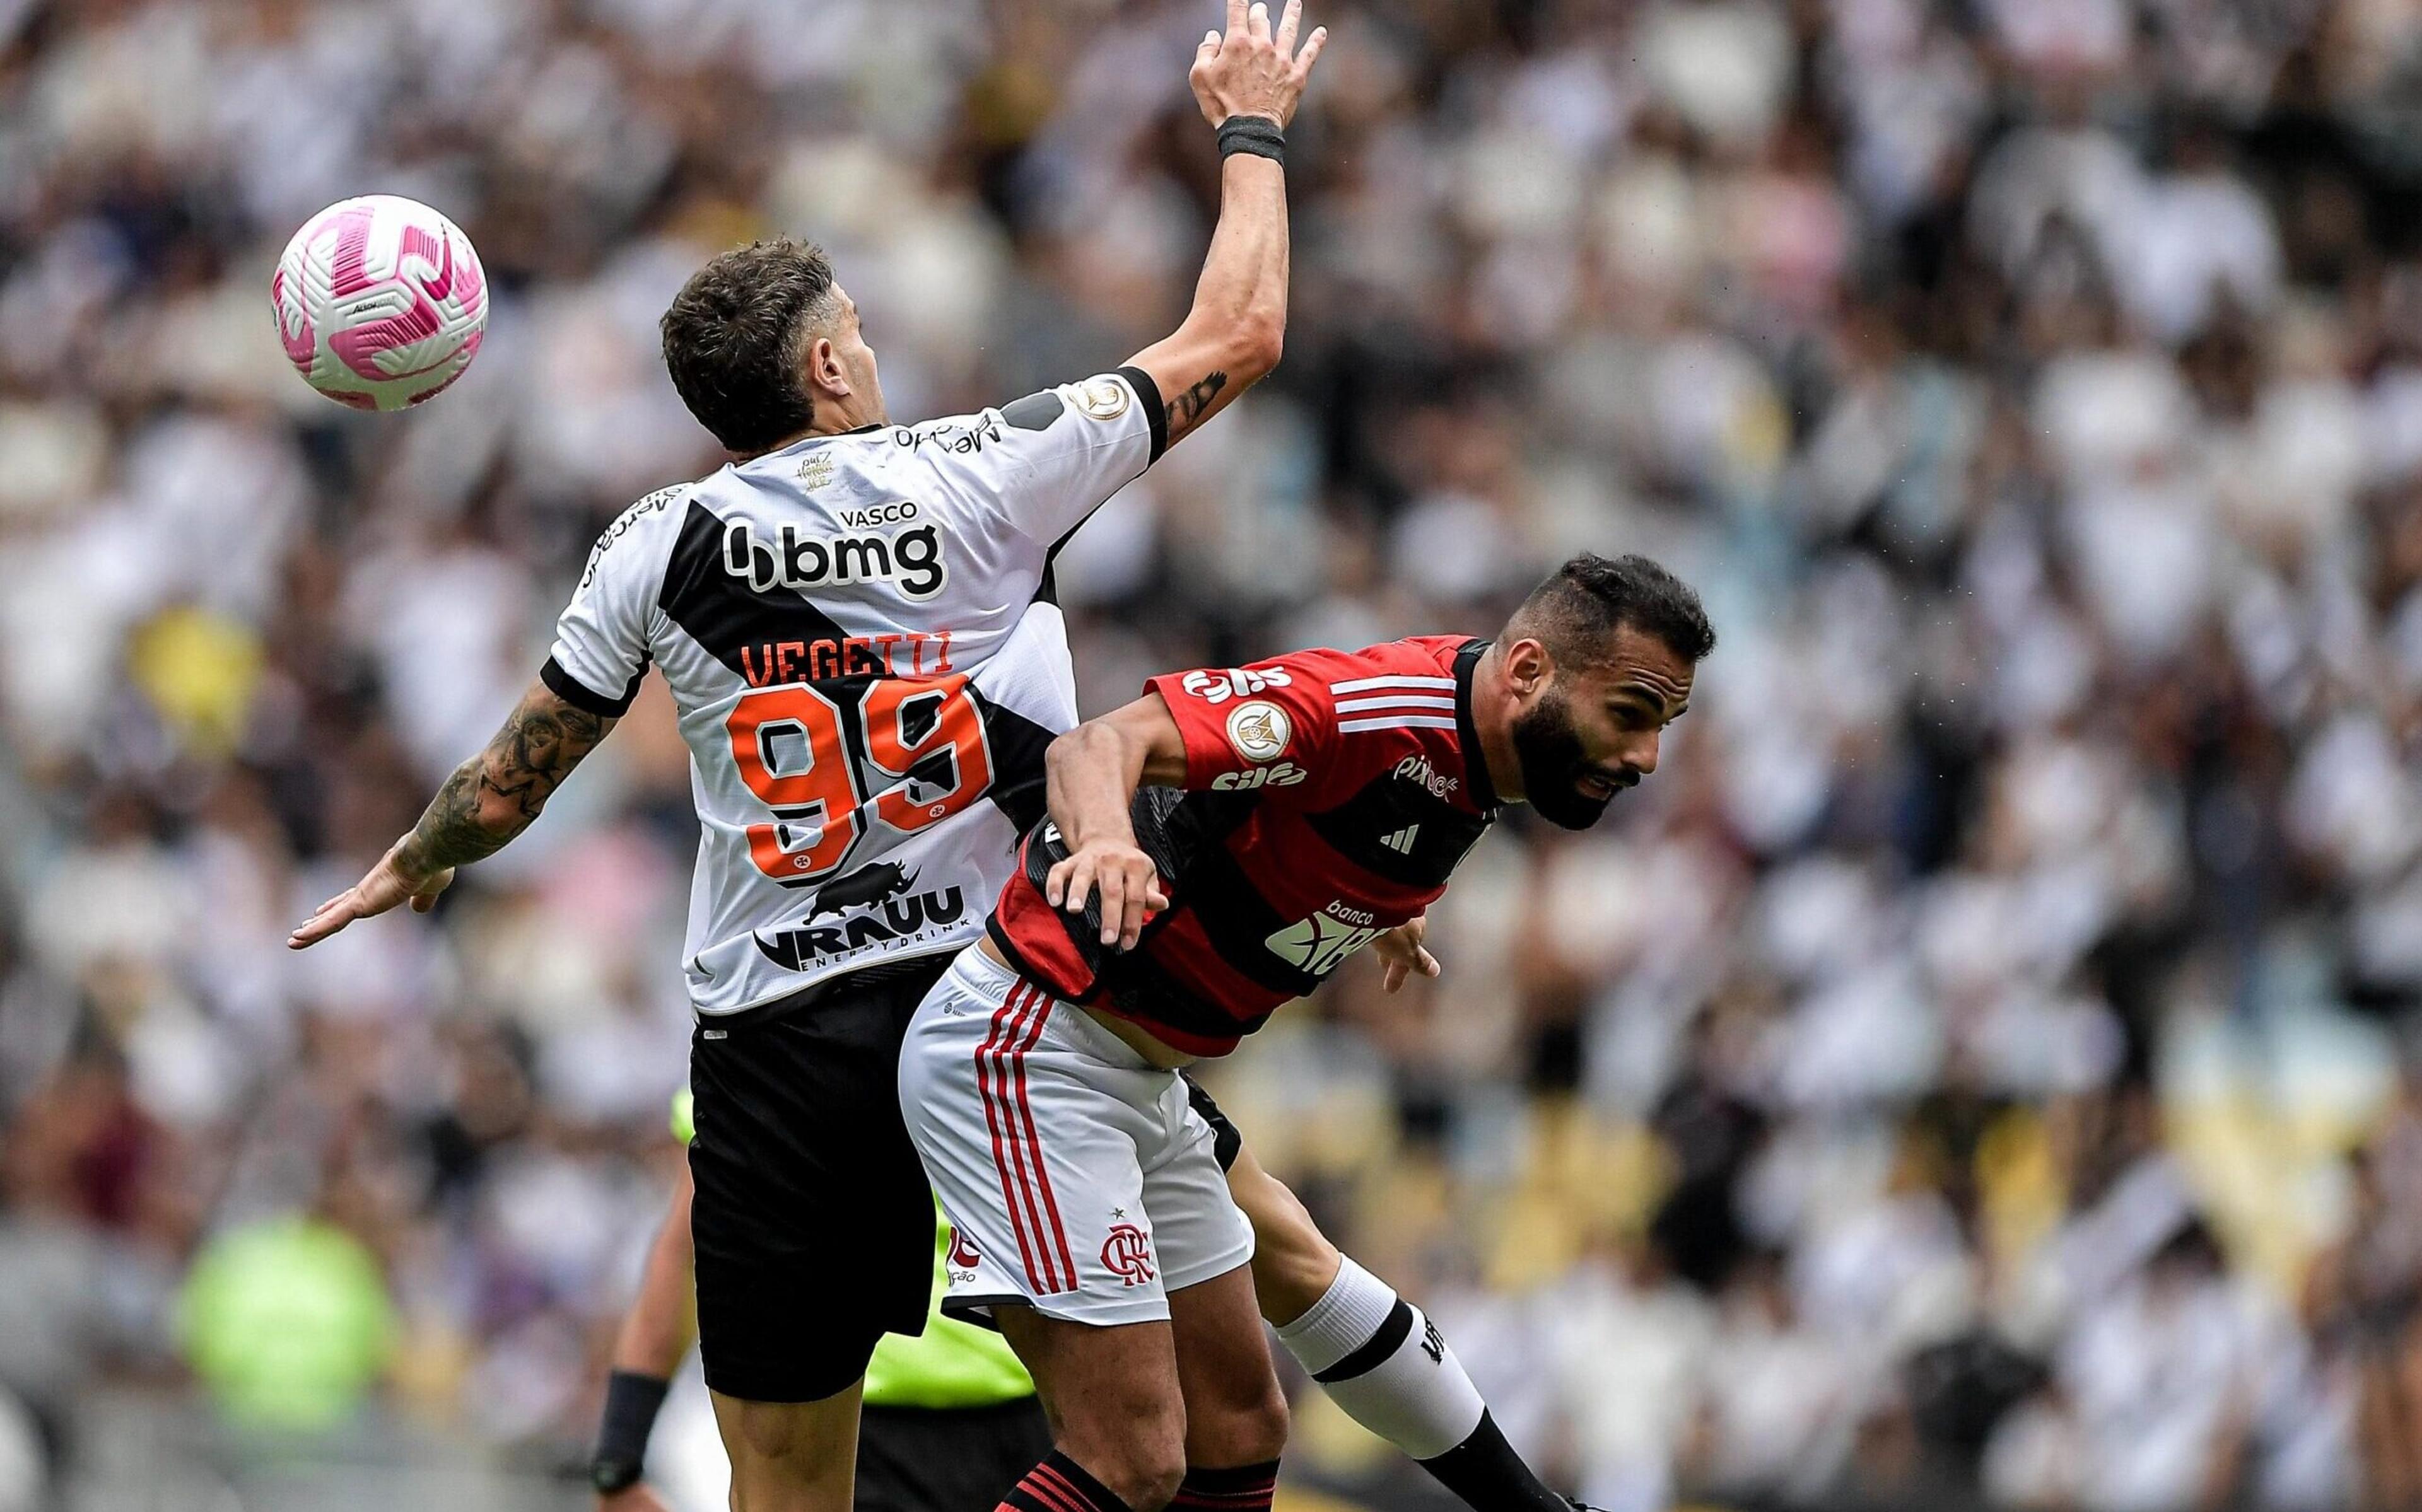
1559,779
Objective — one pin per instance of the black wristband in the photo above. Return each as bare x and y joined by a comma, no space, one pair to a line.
632,1401
1257,134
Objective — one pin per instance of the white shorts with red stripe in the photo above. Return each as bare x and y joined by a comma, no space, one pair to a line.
1079,1177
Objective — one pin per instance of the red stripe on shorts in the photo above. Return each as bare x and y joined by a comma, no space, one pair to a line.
1033,1137
1006,1158
1025,1140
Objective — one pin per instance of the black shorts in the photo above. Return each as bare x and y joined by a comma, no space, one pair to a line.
937,1459
813,1223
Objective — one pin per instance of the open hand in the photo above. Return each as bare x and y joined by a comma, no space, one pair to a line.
1253,70
1402,955
386,884
1124,876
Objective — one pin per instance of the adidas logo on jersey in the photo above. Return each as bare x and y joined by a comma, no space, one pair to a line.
1285,774
1402,841
912,558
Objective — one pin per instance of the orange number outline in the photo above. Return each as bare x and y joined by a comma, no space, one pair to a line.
826,791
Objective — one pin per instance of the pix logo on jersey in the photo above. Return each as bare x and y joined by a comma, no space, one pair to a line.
910,559
1418,771
1259,731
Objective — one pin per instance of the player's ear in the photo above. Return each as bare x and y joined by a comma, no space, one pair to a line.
824,372
1529,668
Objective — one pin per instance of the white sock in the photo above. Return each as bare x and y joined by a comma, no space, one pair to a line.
1384,1363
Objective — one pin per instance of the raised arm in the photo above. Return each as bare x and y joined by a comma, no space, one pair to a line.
1234,334
1093,772
488,799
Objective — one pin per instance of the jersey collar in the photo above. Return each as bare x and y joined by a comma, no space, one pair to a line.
815,439
1475,759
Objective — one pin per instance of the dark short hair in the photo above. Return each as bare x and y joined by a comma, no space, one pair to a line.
1579,609
736,336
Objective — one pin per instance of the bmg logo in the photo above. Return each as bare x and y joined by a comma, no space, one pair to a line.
912,560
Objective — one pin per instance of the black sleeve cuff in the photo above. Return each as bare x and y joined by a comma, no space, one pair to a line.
1148,394
572,690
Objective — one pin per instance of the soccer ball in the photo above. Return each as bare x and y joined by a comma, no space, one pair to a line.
380,301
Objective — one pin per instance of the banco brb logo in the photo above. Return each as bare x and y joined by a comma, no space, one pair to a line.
1127,1254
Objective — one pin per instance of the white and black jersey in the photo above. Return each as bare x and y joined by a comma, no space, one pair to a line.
858,633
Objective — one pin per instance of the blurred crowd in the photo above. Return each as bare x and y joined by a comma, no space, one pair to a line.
1979,1063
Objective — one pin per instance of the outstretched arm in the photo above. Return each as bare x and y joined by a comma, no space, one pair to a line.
1234,334
488,799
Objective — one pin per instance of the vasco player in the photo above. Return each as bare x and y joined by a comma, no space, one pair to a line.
854,621
1217,848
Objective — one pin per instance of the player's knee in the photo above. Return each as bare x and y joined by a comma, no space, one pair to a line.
1156,1486
1252,1425
788,1445
1271,1425
1143,1464
1239,1421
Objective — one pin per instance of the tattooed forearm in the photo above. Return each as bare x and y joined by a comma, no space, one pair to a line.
495,795
1188,407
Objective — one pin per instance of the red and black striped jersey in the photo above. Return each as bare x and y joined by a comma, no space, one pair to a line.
1329,796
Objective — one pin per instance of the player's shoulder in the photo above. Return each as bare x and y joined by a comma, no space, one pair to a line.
1102,399
1414,661
1396,709
635,531
1326,677
1394,698
1410,677
1109,409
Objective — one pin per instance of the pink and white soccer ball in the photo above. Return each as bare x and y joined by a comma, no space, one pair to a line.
380,301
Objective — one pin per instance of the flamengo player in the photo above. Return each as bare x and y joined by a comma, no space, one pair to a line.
854,621
1327,798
